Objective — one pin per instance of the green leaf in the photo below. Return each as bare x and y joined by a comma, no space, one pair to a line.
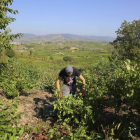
51,131
18,116
9,129
112,132
35,129
14,131
1,102
5,136
8,119
2,133
21,132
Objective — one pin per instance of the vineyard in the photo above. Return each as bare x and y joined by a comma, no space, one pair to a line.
110,109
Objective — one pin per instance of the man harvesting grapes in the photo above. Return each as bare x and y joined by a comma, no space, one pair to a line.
68,75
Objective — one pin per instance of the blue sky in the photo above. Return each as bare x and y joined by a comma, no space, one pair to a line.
80,17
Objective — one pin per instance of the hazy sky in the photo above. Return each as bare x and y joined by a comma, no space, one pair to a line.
80,17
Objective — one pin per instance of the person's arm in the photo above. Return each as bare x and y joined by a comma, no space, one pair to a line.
83,81
57,83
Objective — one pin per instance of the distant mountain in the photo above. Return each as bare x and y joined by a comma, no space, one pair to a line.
29,35
66,37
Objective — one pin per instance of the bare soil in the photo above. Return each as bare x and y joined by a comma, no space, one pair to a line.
31,104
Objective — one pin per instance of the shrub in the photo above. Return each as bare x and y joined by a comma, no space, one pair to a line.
49,82
106,85
51,58
18,76
66,47
30,53
10,52
8,124
68,58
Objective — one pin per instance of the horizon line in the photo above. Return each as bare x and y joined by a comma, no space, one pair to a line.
67,33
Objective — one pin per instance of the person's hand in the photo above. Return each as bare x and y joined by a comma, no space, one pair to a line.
83,87
83,93
60,94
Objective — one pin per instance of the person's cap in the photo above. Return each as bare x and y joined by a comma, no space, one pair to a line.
69,69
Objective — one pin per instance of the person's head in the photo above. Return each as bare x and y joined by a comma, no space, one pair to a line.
69,70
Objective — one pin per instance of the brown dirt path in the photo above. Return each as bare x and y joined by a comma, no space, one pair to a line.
31,104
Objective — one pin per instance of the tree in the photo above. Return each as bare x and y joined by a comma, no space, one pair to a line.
68,58
30,53
51,57
127,43
66,47
5,20
10,52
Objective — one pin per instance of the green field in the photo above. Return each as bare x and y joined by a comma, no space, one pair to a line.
49,57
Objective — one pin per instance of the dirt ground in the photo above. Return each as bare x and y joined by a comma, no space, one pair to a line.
31,104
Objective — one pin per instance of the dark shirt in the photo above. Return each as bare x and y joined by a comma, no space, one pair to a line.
69,80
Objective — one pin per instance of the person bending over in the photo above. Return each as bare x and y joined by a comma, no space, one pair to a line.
68,75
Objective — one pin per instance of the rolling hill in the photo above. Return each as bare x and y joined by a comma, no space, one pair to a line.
64,37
